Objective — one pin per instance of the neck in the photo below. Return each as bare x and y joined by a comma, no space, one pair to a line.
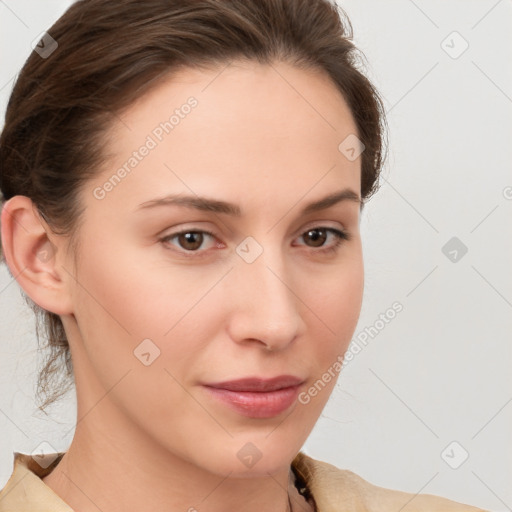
126,472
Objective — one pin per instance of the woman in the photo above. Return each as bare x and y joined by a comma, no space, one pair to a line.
182,184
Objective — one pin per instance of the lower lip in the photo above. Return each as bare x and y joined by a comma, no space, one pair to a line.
257,404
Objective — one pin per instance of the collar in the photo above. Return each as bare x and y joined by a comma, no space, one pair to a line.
26,491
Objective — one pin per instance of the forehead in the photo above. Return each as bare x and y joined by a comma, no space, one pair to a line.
247,91
255,126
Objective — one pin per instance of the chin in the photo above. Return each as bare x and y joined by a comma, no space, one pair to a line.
247,456
261,455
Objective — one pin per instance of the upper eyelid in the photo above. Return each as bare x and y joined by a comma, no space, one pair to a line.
210,232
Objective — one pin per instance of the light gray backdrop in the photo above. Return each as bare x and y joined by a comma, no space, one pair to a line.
425,404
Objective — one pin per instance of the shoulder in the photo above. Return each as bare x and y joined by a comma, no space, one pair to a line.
335,489
25,490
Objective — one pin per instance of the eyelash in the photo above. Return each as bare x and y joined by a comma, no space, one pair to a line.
340,237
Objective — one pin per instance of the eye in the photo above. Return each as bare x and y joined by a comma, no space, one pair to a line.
189,240
317,237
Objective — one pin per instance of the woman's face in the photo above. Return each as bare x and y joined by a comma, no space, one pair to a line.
258,285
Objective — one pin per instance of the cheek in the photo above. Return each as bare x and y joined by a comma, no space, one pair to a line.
137,295
337,304
124,299
336,299
139,321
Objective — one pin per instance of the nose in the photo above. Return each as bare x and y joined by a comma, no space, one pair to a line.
264,307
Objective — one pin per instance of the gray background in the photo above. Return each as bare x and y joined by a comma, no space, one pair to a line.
439,372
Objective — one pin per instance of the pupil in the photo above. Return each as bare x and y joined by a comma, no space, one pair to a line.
318,236
191,240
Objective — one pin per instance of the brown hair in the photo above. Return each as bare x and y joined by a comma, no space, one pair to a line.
109,53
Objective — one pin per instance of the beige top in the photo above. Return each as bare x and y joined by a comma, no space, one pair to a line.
331,489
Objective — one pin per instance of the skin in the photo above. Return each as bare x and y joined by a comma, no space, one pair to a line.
150,437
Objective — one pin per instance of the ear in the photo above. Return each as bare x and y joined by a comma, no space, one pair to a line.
34,255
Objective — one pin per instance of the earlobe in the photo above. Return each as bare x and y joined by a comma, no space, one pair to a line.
32,254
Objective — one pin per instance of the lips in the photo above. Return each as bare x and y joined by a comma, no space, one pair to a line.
257,397
258,385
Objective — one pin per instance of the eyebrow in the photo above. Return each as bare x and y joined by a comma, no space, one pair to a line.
216,206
